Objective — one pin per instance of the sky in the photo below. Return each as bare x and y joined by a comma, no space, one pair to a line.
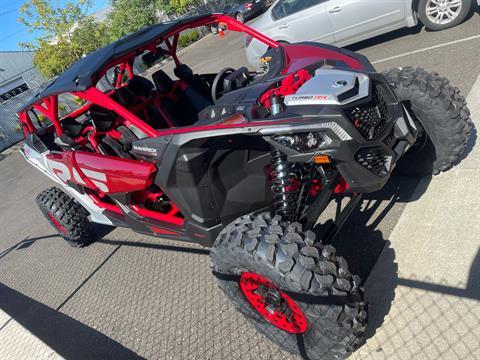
12,32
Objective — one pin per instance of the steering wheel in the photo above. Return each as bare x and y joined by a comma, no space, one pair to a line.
217,85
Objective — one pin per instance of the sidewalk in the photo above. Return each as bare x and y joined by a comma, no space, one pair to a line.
432,301
18,343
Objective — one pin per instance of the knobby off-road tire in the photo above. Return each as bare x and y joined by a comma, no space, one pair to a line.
293,260
443,115
69,218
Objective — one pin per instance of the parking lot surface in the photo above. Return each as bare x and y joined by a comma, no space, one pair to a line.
130,296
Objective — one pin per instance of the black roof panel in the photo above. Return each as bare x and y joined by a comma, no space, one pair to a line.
81,74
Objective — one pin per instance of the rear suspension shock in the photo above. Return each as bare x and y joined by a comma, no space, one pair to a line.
285,186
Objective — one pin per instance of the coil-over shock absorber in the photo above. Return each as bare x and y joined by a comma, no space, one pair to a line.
285,186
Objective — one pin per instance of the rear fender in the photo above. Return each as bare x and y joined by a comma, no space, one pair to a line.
39,161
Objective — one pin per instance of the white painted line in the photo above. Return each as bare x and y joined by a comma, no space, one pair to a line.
473,102
427,49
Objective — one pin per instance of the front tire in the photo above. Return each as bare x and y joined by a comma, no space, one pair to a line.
282,255
443,115
69,218
443,14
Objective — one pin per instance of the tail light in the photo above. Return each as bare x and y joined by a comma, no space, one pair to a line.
247,39
248,5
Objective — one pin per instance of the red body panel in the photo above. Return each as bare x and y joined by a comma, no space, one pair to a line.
300,56
106,174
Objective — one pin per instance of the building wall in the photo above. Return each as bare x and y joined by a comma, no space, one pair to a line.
16,68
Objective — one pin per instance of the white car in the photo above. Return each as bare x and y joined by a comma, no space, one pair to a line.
344,22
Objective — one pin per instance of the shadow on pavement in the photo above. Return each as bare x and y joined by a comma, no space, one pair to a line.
25,243
68,337
377,40
472,290
157,246
430,320
360,242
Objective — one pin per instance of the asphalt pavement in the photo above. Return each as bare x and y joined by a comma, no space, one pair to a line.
126,296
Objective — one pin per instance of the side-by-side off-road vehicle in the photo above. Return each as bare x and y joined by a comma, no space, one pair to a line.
243,162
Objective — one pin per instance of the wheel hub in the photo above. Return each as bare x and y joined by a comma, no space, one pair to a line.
272,304
56,223
443,11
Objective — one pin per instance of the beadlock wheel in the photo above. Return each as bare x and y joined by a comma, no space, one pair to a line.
273,304
271,270
56,223
69,218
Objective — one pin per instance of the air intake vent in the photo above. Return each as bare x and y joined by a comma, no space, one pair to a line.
369,118
375,159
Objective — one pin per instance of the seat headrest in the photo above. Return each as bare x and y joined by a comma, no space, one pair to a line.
124,96
102,118
72,127
183,72
162,81
140,86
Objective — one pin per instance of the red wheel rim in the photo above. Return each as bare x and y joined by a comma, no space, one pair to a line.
273,304
56,223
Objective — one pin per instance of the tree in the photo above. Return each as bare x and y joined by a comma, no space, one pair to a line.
174,8
64,33
127,16
89,35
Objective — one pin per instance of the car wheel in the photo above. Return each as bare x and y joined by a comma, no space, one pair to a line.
240,17
443,14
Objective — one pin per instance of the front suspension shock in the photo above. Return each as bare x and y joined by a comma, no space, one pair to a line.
285,186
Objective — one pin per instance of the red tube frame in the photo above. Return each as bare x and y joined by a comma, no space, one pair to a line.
49,106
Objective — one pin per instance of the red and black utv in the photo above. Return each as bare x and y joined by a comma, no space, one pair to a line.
243,162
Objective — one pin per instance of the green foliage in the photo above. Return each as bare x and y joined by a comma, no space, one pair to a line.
53,22
89,35
42,119
188,38
127,16
79,101
176,7
52,59
66,33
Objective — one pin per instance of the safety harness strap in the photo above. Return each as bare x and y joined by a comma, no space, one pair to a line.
301,297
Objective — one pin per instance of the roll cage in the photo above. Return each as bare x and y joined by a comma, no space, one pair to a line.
48,105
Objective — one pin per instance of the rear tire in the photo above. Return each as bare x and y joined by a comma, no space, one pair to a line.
293,260
69,218
443,115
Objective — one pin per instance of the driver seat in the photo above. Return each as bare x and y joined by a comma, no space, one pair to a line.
173,101
196,89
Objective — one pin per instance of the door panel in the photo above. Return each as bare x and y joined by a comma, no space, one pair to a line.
302,20
354,19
